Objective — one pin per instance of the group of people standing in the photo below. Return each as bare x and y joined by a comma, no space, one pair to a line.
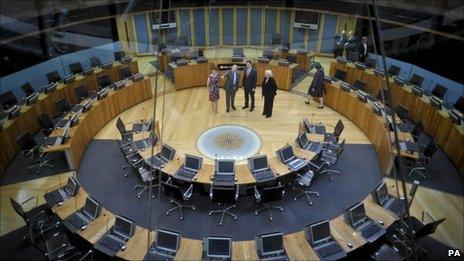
351,45
249,81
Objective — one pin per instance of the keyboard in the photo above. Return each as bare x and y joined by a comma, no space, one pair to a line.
263,175
53,197
157,161
224,178
404,127
76,221
296,163
315,147
186,173
110,243
397,206
370,230
330,249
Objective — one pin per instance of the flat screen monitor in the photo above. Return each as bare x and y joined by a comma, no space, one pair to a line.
394,70
167,152
439,91
225,166
104,81
119,55
71,187
260,163
357,214
123,227
91,207
192,162
286,154
218,247
272,243
341,75
382,193
303,139
8,100
371,62
95,61
75,68
459,104
27,89
319,232
167,240
416,80
53,77
125,73
62,105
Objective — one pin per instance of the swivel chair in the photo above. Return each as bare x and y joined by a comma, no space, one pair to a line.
267,195
177,195
126,135
224,195
302,183
147,176
57,247
335,136
46,124
81,92
419,166
62,106
95,61
30,149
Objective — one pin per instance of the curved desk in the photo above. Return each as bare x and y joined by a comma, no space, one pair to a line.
27,120
437,123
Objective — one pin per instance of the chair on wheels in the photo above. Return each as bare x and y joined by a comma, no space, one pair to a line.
57,247
302,183
335,136
126,135
224,195
267,195
46,124
147,175
419,166
30,149
417,130
177,195
329,157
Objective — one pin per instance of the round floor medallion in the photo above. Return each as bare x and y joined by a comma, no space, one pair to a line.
229,142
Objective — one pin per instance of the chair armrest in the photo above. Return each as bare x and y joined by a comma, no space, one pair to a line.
211,192
236,192
169,180
63,245
188,192
86,255
424,213
257,194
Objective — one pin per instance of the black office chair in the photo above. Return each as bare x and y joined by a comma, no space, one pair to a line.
360,85
46,124
402,112
328,158
95,61
302,183
62,106
266,195
420,165
126,135
224,195
335,136
147,176
177,195
81,92
57,247
31,150
130,155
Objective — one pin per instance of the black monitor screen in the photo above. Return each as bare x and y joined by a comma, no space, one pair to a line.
320,231
358,214
53,77
459,105
287,153
192,162
125,73
91,207
218,247
166,152
225,166
382,193
439,91
394,70
272,243
62,105
303,139
118,55
104,80
75,67
27,88
341,75
8,100
360,85
123,226
167,240
260,162
416,80
71,187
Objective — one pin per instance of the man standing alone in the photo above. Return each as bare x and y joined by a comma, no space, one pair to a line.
249,85
230,86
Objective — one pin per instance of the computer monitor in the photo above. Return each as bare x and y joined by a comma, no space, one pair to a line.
75,68
394,70
371,62
167,152
286,153
27,88
341,75
416,80
192,162
225,166
303,139
459,104
357,214
104,81
91,207
318,232
81,91
381,193
260,163
119,55
271,243
439,91
71,187
95,61
167,240
8,100
53,77
125,73
218,247
123,227
360,85
62,105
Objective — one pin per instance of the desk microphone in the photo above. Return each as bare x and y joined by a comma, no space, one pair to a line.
412,192
107,221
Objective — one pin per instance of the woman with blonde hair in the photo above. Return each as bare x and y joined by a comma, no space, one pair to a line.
269,92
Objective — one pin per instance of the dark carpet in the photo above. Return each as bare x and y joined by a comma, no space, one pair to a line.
100,173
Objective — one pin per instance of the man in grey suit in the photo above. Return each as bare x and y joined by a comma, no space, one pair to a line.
249,85
230,86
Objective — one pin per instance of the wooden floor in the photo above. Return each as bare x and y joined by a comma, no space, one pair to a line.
187,114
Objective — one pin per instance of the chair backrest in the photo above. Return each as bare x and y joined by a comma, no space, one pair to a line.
45,121
121,126
341,148
360,85
172,191
238,51
223,194
271,194
418,128
439,91
25,141
428,229
95,61
27,89
81,91
341,75
431,148
339,128
62,105
402,112
18,209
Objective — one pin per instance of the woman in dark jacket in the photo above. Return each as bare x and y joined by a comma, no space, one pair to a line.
269,92
317,88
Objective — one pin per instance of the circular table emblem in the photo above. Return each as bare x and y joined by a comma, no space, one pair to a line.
229,142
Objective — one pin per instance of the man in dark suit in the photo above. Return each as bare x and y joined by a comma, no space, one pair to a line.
350,45
249,85
362,50
230,86
339,43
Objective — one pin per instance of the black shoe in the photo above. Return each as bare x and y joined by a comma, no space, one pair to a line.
244,107
307,102
227,110
320,107
233,108
268,116
251,109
